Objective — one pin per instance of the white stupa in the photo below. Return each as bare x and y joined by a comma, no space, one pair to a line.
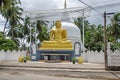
73,34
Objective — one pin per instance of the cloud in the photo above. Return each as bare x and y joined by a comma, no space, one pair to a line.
37,5
74,3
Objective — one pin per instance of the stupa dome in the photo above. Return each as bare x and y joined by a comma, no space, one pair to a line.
73,32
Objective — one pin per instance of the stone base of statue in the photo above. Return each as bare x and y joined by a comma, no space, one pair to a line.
56,45
55,51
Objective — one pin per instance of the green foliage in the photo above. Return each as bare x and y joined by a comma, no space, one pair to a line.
7,44
12,14
113,32
95,46
94,35
5,4
43,31
115,46
78,22
73,59
28,58
114,29
1,36
94,38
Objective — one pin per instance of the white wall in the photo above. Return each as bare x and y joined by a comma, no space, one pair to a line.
14,55
113,58
89,56
93,57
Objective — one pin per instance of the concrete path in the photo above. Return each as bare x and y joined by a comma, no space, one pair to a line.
24,76
64,69
63,65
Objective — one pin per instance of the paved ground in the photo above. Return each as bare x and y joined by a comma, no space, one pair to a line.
63,65
59,71
26,76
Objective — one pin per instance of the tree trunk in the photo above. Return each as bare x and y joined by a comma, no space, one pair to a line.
5,26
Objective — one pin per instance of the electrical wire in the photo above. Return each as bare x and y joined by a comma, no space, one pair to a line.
90,7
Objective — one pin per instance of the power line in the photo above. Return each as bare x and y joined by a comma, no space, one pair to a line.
108,5
90,7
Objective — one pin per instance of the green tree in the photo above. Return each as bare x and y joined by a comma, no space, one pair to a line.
43,33
113,31
7,44
15,18
93,34
115,26
24,31
98,34
79,22
10,11
94,38
5,4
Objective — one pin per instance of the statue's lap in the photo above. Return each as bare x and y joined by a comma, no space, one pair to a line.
56,44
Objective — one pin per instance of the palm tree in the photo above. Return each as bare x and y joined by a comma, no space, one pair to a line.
113,32
32,36
89,36
111,38
5,4
12,14
98,34
26,26
22,31
79,22
43,33
14,18
115,26
94,38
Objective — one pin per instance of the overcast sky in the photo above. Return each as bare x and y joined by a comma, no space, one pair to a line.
48,4
37,5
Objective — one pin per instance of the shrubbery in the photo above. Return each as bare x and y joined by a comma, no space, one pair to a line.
7,44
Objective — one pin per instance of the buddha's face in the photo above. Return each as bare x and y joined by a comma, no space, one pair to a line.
58,24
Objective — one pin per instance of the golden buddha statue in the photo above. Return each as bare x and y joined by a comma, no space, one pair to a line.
58,33
58,39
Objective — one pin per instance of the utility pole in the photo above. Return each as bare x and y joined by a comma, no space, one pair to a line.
83,25
105,40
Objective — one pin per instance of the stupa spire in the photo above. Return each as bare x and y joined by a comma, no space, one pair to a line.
65,4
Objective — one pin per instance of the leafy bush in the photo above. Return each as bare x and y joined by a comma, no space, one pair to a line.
7,44
28,58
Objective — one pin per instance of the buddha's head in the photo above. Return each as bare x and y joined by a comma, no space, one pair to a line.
58,24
